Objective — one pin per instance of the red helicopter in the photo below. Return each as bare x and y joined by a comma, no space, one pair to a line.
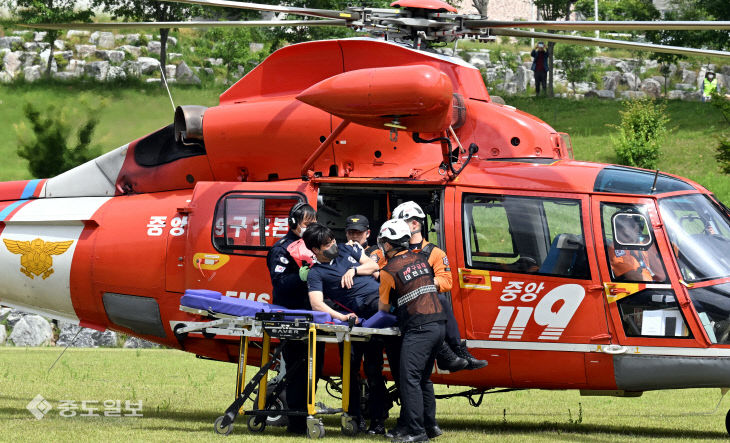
541,242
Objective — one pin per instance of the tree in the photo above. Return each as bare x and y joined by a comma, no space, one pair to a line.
575,64
47,150
617,10
641,132
142,10
47,11
722,104
553,10
232,46
695,10
481,6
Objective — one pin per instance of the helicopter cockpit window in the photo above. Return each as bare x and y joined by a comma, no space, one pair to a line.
699,232
238,224
630,247
713,308
499,235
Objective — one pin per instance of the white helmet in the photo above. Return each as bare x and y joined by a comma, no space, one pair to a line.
408,210
396,232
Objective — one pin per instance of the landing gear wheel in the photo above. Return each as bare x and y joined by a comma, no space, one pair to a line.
220,429
179,335
315,428
348,425
256,423
727,422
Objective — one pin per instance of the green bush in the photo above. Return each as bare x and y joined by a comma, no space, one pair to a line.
641,132
723,154
48,150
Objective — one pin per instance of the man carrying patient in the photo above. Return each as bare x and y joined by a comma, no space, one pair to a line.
342,274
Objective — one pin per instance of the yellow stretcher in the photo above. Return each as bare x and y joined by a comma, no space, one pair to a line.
282,326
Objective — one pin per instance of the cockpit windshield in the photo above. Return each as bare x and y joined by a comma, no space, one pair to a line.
699,232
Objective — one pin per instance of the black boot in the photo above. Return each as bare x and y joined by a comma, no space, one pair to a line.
463,352
447,360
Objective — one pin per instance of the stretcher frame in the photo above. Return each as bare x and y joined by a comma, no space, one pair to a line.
282,326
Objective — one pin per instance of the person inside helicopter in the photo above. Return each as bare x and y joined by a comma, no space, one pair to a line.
633,254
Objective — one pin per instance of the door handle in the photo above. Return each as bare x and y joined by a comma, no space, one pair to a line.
473,278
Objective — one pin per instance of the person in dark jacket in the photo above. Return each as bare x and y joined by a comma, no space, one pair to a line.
540,66
289,283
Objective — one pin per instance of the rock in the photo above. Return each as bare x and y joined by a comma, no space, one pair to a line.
701,78
153,80
633,95
154,47
478,63
149,37
59,44
725,69
98,70
148,65
583,87
85,51
693,96
14,317
115,73
215,61
173,55
630,80
497,99
651,64
624,66
688,76
651,87
600,93
94,37
12,42
86,338
44,60
3,335
106,40
39,36
32,330
675,95
132,39
66,75
114,57
5,77
29,59
131,68
4,312
611,80
684,86
12,63
522,78
24,32
134,51
256,47
171,41
75,33
185,75
170,71
605,61
32,46
76,67
135,343
119,37
68,55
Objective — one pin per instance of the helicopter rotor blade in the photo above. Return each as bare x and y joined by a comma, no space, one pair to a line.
186,24
591,41
322,13
602,26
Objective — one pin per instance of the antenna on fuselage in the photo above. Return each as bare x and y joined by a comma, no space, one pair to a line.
164,81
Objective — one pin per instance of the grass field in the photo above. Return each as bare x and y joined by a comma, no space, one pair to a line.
182,395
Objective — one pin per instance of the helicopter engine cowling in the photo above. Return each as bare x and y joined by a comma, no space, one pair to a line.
417,97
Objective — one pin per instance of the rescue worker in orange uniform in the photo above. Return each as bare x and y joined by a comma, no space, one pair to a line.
633,264
407,284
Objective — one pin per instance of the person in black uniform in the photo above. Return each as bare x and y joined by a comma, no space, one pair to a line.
407,284
289,283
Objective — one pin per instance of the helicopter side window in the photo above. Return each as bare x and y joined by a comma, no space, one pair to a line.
238,224
653,313
630,246
500,236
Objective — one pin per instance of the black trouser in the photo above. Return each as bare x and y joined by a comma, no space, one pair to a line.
453,337
418,353
540,80
296,389
372,354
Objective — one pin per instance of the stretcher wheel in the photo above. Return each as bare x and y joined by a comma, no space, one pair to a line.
220,429
348,425
315,428
256,423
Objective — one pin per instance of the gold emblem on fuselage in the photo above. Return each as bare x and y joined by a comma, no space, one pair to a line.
35,255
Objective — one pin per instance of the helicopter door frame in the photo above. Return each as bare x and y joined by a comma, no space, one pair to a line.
642,313
514,309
